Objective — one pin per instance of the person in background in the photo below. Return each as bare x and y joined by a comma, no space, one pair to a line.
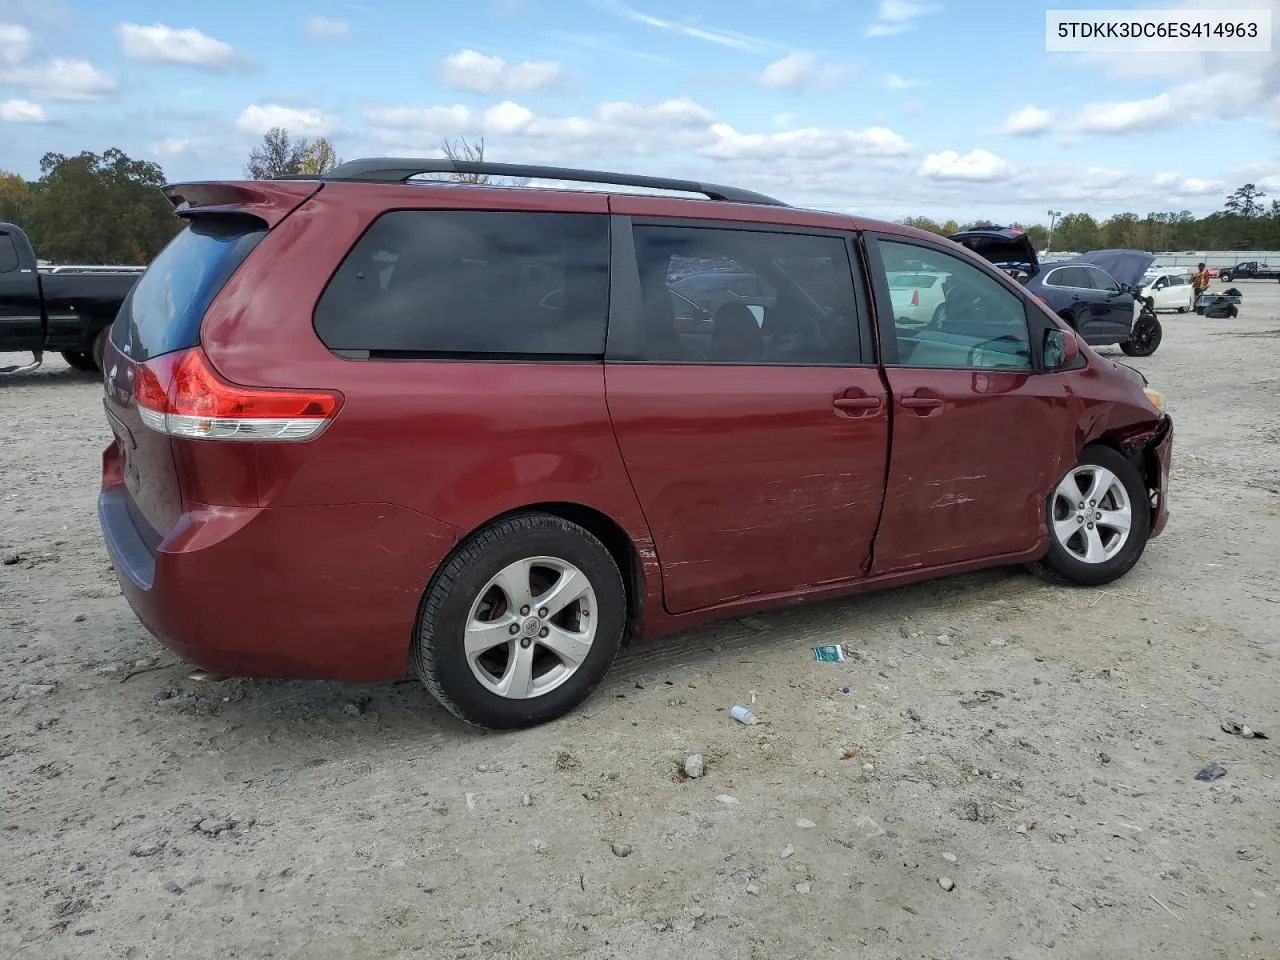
1199,281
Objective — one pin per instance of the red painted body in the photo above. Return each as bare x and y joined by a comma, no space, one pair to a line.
729,488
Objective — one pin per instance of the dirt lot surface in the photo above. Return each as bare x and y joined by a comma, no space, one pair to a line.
1034,746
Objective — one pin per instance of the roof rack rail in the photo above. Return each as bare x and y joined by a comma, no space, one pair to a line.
398,170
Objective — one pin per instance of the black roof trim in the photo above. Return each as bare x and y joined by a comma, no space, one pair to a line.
398,170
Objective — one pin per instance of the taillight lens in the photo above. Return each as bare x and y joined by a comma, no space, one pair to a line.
915,298
181,395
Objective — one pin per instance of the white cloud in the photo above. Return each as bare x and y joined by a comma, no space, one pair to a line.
15,43
1027,121
508,117
1177,184
977,165
610,121
170,147
258,118
898,16
1213,87
455,119
1127,116
324,28
1102,178
691,28
895,81
475,71
22,111
187,46
679,112
801,71
808,143
62,79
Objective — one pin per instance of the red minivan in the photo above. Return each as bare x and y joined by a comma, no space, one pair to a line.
369,423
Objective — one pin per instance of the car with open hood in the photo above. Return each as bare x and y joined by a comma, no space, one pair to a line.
1098,293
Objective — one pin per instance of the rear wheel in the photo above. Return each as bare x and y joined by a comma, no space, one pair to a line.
1144,338
522,623
1099,519
79,361
100,346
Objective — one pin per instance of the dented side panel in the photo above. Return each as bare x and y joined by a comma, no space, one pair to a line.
968,478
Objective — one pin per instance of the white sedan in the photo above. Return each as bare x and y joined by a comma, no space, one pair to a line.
1169,289
917,297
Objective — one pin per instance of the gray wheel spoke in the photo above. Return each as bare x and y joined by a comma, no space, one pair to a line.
513,581
1064,530
570,646
1068,490
517,680
571,586
1117,520
1095,552
483,635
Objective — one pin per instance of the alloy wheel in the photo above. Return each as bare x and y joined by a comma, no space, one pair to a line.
1091,514
531,627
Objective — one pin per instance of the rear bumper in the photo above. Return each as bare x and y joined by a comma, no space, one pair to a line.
324,593
1160,453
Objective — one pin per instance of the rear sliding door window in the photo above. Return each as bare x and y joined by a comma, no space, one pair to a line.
472,284
163,310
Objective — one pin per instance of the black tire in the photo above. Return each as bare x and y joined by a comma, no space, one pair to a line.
1145,337
438,655
1183,309
1224,277
79,361
100,346
1060,566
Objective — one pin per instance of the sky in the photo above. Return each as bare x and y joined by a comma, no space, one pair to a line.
886,108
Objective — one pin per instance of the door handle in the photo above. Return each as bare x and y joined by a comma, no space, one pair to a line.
857,403
923,402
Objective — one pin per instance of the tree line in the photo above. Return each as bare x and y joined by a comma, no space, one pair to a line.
107,208
1245,222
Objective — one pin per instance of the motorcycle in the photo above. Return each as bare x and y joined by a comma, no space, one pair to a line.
1146,332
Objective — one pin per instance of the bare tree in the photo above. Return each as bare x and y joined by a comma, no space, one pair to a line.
277,156
472,151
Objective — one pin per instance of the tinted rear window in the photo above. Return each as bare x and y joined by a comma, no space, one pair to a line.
162,312
8,254
472,284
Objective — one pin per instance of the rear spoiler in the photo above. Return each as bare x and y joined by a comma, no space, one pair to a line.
268,200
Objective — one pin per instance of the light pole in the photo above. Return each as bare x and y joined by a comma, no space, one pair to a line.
1053,217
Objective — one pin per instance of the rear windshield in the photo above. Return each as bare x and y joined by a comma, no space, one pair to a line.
163,310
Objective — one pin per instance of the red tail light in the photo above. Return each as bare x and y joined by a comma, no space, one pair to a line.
1042,300
915,298
181,395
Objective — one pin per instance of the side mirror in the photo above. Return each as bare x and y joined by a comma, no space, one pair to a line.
1061,349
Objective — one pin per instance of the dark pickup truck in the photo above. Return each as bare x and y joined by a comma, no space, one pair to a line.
65,308
1249,270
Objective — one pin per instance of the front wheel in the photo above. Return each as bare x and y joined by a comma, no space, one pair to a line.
79,361
1099,518
1144,338
522,622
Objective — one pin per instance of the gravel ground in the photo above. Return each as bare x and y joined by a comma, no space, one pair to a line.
1011,773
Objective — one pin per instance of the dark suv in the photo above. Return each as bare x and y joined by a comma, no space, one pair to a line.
369,424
